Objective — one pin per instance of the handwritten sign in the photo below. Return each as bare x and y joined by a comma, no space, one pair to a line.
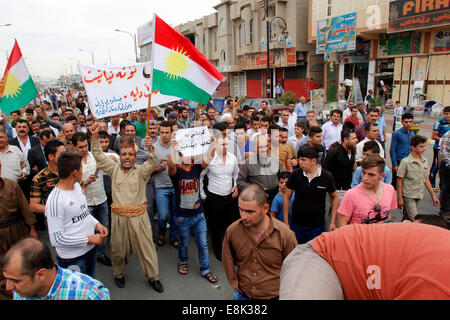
193,141
116,89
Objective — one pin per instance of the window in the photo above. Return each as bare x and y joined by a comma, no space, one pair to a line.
222,25
223,56
244,39
330,6
240,36
215,41
251,31
204,43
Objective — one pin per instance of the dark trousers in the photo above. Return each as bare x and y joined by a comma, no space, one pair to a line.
394,179
434,167
444,184
221,212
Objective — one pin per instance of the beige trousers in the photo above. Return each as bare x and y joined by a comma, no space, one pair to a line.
133,233
411,207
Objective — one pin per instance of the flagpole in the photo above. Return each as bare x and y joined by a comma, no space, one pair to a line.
148,112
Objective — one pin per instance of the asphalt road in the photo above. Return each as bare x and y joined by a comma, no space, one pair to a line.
192,286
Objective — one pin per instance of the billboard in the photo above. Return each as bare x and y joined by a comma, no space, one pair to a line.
278,58
405,15
336,34
145,33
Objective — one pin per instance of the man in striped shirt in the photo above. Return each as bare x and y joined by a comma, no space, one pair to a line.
31,274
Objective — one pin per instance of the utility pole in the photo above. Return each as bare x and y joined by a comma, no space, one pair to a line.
268,86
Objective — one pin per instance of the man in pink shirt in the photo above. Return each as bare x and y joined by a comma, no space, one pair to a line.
371,201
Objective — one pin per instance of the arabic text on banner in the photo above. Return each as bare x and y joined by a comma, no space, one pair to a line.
116,89
193,141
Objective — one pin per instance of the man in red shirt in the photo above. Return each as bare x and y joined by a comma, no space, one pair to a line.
353,117
312,84
395,261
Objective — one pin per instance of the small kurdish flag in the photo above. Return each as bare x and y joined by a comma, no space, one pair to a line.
17,88
179,68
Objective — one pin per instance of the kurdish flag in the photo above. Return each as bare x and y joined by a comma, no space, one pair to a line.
179,68
17,88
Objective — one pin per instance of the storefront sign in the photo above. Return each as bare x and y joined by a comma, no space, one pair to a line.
278,58
336,34
361,54
399,43
442,41
411,15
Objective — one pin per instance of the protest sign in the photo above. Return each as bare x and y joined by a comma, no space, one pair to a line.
116,89
193,141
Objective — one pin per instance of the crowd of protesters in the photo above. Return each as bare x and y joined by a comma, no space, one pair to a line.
102,188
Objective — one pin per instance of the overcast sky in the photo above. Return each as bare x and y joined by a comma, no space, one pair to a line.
50,32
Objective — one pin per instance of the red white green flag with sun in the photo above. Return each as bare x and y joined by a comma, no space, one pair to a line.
179,68
17,88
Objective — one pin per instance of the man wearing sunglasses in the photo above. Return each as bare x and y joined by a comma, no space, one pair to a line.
372,200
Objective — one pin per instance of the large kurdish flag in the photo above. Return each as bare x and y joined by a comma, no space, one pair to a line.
179,68
17,88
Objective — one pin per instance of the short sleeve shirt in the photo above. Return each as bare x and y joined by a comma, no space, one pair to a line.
361,208
414,174
43,184
441,127
309,202
187,191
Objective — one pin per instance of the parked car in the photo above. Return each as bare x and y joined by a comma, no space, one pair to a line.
275,105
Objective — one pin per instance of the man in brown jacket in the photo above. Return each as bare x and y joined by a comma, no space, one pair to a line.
16,222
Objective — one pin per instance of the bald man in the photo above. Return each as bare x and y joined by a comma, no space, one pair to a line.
258,243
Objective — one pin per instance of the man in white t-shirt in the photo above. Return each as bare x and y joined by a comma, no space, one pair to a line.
72,229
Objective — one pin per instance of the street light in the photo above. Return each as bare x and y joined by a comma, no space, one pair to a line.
133,35
5,25
269,22
91,52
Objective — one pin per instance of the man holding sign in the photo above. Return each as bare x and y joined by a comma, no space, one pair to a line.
130,225
185,176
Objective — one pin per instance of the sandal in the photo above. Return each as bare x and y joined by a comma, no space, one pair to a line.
161,240
174,244
182,268
210,277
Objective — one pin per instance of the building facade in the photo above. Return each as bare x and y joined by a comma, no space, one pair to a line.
401,48
234,40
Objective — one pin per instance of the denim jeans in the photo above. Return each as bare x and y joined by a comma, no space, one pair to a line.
165,204
84,264
100,212
434,167
185,227
306,234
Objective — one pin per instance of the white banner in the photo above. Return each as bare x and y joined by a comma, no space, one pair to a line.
116,89
193,141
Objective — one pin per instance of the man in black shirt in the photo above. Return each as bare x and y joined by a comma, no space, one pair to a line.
340,160
311,183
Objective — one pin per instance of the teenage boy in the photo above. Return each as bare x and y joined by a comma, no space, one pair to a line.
315,140
185,177
73,231
400,144
311,184
371,201
411,176
276,210
370,147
